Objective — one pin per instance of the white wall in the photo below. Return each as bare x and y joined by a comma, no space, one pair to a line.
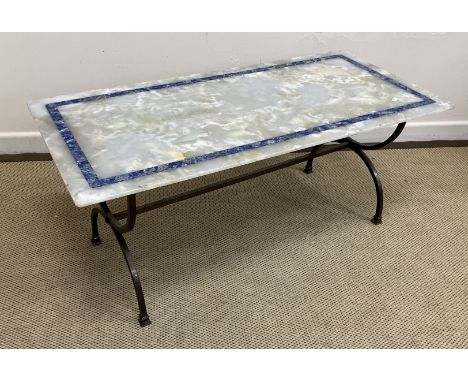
37,65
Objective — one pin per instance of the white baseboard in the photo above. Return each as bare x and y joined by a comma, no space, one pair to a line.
31,141
421,132
22,143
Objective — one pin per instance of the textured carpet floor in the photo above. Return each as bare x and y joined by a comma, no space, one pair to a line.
284,260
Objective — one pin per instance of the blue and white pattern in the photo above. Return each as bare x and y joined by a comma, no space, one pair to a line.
95,181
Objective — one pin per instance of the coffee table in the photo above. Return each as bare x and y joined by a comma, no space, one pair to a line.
117,142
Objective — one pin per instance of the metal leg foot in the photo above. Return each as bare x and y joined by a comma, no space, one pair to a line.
308,168
377,220
96,240
144,321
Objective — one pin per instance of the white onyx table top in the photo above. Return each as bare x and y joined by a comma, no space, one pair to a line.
114,142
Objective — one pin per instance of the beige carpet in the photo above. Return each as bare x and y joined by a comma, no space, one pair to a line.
284,260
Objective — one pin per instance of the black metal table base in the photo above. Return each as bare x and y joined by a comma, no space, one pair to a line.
113,219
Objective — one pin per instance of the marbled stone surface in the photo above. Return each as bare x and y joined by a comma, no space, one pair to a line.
130,133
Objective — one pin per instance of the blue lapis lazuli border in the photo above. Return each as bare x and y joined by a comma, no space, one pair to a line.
94,181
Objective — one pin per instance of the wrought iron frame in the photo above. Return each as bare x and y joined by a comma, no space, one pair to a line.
113,219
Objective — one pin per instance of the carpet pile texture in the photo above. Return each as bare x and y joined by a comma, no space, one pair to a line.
286,260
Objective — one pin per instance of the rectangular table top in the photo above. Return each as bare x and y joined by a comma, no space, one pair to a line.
115,142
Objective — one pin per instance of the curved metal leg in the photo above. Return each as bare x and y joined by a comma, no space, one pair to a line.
95,238
112,220
377,146
308,168
377,219
118,229
143,318
358,149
